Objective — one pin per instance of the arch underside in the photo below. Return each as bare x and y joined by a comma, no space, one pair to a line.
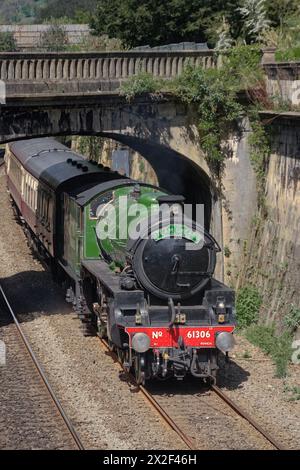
175,172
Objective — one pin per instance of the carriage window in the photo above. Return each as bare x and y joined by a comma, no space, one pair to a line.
99,201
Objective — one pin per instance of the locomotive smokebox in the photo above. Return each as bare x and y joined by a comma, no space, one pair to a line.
175,260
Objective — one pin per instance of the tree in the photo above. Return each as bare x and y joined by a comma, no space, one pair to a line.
281,11
155,22
225,40
255,18
75,10
7,42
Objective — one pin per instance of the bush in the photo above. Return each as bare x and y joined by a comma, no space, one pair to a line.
142,83
248,303
214,95
7,42
242,63
278,347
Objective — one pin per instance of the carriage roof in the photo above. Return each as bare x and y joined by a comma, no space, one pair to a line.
51,162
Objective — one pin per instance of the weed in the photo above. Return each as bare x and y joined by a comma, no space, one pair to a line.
248,303
246,354
292,319
227,251
293,392
278,347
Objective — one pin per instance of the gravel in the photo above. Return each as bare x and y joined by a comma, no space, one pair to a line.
29,419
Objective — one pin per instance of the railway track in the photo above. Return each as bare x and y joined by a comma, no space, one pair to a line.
42,407
190,413
206,419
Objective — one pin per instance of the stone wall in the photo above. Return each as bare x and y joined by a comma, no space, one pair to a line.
28,37
239,203
283,81
272,260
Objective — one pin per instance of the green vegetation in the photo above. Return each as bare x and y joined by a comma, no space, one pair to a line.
292,392
277,346
142,83
156,22
248,303
54,39
289,55
96,43
292,320
16,11
91,146
246,354
217,107
260,149
215,97
7,42
227,251
220,23
284,33
75,11
41,11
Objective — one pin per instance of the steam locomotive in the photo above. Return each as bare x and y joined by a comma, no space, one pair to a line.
155,301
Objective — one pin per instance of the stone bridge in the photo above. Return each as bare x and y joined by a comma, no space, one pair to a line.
90,72
77,94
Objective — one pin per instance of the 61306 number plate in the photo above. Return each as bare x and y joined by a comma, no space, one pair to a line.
204,337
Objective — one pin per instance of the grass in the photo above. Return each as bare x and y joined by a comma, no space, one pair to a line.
277,347
248,303
246,354
289,55
292,319
293,392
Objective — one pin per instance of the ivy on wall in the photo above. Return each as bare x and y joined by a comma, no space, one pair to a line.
216,96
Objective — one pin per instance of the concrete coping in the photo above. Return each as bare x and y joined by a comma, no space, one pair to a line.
295,115
96,55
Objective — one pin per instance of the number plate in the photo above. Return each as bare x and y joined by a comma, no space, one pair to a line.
199,337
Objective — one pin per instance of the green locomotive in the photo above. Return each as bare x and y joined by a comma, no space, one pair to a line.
124,262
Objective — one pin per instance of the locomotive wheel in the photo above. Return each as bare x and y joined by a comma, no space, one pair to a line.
139,369
121,355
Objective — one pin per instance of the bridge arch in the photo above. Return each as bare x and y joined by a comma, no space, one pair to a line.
175,172
159,128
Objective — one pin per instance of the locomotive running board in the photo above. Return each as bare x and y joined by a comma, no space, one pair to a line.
111,281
